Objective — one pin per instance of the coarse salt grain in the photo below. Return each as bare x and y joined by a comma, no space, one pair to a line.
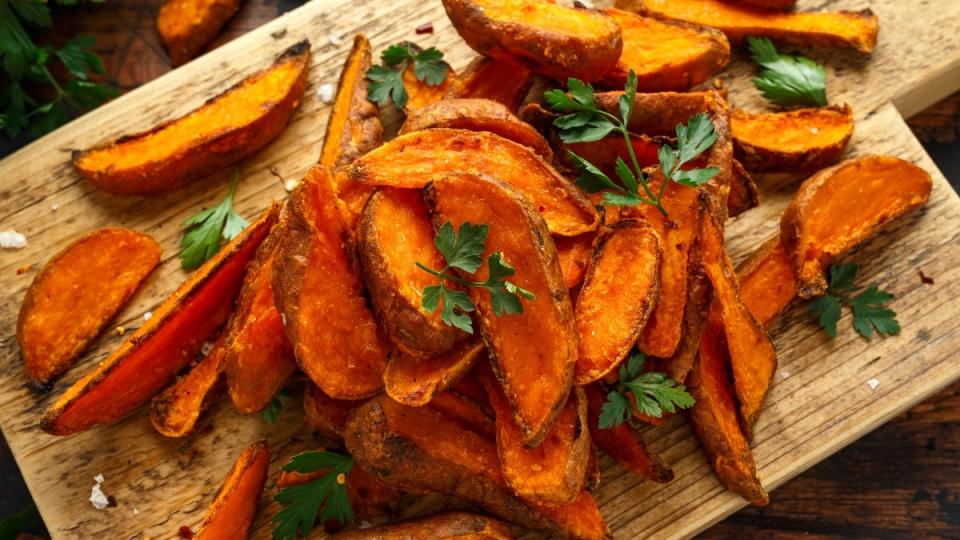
98,478
334,40
290,185
147,315
785,374
136,512
12,240
97,497
585,3
206,348
873,384
54,207
325,93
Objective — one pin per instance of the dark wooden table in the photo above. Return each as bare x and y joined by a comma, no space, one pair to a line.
899,481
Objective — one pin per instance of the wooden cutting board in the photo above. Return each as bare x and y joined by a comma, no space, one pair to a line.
819,403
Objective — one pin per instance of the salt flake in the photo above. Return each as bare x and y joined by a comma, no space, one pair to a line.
12,240
98,498
325,93
206,348
290,185
98,478
54,207
334,40
873,384
147,315
784,374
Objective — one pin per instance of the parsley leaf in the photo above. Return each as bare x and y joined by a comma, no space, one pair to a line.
788,80
326,496
206,229
869,313
653,393
271,414
693,138
386,81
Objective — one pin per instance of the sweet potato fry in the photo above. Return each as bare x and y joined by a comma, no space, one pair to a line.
574,254
496,80
844,29
477,115
536,374
618,295
449,525
185,26
325,414
665,55
394,234
766,282
223,131
414,381
830,213
152,356
368,496
555,40
75,296
781,5
233,509
175,411
319,292
553,472
419,93
800,141
744,193
622,442
471,412
414,159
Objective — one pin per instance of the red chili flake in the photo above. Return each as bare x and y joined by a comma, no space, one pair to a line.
185,532
425,28
927,280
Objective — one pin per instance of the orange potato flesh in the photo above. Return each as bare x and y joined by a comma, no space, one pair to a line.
224,130
369,497
838,207
467,411
574,253
800,141
665,55
579,519
154,354
395,233
325,414
75,296
233,509
319,293
618,295
477,115
846,29
175,411
414,381
553,472
536,374
496,80
185,26
766,282
421,94
414,159
622,442
448,525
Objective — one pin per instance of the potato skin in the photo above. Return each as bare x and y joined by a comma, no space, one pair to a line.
448,525
232,511
544,48
485,78
787,141
415,381
744,193
354,127
185,26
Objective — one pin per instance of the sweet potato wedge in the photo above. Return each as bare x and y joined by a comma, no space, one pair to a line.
766,280
781,5
618,295
233,509
665,55
414,381
394,234
801,141
354,127
448,525
496,80
419,93
843,29
185,26
549,38
75,296
604,153
416,158
477,115
154,354
536,375
744,193
325,414
838,207
175,411
470,411
223,131
574,254
319,293
622,442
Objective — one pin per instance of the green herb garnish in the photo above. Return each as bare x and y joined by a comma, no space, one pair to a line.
206,230
271,414
326,495
788,80
652,391
386,81
868,308
11,526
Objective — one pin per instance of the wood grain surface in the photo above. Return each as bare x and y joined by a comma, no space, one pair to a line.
819,403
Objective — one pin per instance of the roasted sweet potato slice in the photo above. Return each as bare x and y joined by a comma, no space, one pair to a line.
353,128
75,296
477,115
744,193
782,5
419,93
618,295
549,38
416,158
154,354
838,207
185,26
175,411
485,78
798,142
574,254
319,293
395,233
233,509
622,442
665,55
465,408
449,525
766,282
536,374
604,153
414,381
223,131
845,29
325,414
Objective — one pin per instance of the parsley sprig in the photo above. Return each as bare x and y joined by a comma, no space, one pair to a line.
463,250
788,80
326,495
869,311
272,412
583,121
652,391
206,230
386,81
